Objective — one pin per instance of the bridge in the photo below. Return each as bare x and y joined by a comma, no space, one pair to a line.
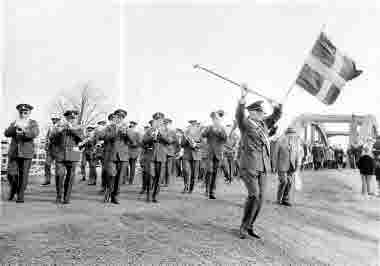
313,127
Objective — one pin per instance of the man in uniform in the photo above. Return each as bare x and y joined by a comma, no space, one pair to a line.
89,150
286,158
171,149
23,131
99,152
158,137
191,155
133,150
178,159
67,135
254,156
116,138
50,149
145,162
216,138
229,154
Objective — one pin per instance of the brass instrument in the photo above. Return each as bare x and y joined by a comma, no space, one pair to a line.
193,136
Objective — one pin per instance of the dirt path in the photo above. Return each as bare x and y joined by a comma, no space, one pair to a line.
330,224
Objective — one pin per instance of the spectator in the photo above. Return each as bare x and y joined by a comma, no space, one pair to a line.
377,173
366,167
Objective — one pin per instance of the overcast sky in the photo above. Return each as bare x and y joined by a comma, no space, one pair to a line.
259,43
53,44
56,44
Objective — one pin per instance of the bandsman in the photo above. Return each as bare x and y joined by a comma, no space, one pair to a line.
191,155
216,138
51,150
134,148
171,150
157,137
145,162
116,138
22,132
67,134
89,152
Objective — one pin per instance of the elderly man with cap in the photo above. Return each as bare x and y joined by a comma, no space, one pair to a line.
157,138
216,138
67,135
191,155
286,159
254,156
23,131
133,152
116,137
89,151
50,149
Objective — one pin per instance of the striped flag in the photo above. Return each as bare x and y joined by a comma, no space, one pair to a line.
326,71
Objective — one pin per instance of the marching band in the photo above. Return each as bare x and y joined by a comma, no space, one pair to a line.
197,153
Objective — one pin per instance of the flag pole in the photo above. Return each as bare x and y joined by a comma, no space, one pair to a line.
295,81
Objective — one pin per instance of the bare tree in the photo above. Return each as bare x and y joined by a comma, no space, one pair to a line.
91,103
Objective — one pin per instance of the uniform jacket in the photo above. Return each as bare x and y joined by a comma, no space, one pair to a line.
286,156
135,144
159,145
22,145
190,153
172,147
67,142
230,148
254,154
115,143
215,140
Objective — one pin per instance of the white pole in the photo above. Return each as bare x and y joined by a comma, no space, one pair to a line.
122,87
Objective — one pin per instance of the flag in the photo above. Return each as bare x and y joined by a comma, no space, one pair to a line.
326,71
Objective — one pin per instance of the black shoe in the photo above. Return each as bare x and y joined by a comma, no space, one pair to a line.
154,200
242,232
190,191
142,192
11,196
253,234
211,197
102,191
46,183
114,200
20,200
286,203
83,179
66,201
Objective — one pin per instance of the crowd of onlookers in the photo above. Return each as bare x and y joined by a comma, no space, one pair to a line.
317,156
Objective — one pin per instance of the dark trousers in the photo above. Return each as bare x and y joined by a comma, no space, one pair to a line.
83,163
18,174
64,179
256,187
203,169
115,170
48,162
214,165
169,169
132,170
158,167
92,167
191,173
227,168
286,181
103,174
